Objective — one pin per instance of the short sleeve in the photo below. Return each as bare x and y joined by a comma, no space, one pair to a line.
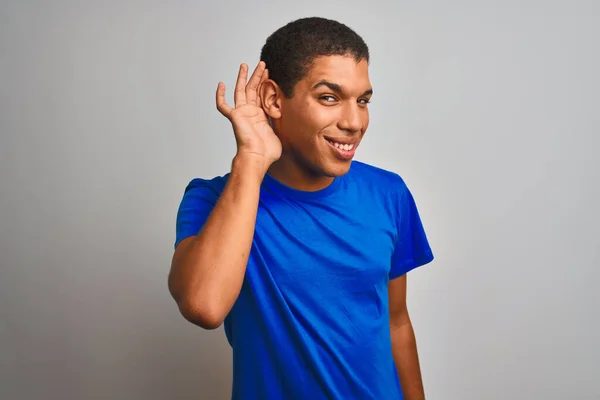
199,199
412,247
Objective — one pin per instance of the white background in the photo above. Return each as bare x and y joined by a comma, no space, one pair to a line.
489,110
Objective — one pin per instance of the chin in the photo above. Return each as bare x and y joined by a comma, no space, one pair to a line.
336,170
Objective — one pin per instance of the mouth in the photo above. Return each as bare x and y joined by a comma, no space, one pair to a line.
343,148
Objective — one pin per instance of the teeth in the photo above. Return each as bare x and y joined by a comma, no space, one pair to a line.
343,146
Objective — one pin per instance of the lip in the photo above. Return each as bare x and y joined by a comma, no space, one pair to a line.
342,140
340,153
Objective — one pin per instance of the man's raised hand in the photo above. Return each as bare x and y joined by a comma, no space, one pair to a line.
253,133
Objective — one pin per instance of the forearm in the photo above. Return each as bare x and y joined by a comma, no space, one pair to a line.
404,348
207,274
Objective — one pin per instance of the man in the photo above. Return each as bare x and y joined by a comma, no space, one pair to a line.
301,251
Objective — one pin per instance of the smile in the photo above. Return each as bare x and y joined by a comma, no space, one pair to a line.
344,151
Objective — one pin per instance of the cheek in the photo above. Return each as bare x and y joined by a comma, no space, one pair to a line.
303,124
366,120
312,125
323,119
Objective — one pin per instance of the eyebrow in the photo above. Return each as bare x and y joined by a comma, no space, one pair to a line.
337,88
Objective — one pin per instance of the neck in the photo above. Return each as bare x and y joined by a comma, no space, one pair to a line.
292,174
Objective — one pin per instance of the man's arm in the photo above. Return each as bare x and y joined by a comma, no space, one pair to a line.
404,345
207,270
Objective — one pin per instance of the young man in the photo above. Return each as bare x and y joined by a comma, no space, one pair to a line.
301,251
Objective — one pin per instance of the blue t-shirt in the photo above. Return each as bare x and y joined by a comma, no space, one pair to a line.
311,321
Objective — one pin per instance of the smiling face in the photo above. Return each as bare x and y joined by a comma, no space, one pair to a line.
322,124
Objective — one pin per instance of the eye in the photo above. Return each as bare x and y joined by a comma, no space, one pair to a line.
364,101
327,98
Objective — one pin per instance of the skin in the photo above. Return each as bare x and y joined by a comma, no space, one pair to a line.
287,138
404,344
330,102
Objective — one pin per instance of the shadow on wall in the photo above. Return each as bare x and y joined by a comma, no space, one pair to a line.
156,354
141,347
177,360
111,332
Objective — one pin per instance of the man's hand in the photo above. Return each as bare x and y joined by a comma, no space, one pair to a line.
253,133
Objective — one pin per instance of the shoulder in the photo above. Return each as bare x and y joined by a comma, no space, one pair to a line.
378,178
213,185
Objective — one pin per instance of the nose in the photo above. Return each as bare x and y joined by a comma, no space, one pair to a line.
352,118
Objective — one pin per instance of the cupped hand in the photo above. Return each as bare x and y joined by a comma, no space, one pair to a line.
253,132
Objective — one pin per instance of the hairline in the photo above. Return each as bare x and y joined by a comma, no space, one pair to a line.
310,63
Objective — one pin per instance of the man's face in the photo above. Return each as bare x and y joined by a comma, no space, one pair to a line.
323,123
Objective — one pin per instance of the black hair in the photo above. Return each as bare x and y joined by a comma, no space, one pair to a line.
289,52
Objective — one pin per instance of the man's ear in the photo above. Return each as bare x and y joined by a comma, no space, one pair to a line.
270,98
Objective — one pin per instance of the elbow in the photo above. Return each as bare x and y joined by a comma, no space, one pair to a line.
193,308
205,316
203,310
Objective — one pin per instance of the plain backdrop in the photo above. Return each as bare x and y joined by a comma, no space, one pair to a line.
489,110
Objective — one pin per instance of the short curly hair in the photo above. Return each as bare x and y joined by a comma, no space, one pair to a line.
289,52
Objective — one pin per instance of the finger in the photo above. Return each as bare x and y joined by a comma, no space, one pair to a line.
239,95
222,105
253,83
263,79
265,76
